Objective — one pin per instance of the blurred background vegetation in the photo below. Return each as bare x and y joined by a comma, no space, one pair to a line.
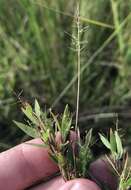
36,58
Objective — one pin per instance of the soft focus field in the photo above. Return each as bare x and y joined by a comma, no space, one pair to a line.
36,56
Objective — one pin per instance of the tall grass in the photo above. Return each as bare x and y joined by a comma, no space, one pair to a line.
36,55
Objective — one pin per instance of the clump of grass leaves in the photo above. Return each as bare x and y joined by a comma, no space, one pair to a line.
118,159
73,158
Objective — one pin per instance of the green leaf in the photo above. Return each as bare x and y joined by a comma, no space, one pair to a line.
113,141
119,144
84,159
70,155
61,159
66,123
56,121
54,158
27,129
128,183
37,108
105,141
37,145
27,110
45,135
88,138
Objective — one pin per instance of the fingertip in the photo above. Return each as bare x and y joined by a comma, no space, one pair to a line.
102,172
25,165
79,184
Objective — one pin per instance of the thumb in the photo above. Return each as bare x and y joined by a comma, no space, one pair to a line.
79,184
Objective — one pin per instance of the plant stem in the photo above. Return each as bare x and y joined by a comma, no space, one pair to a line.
78,63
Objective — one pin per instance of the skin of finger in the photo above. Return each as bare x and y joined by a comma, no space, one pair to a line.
59,184
50,185
23,165
101,170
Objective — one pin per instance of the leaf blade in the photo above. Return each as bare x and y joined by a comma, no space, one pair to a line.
27,110
37,108
27,129
105,141
66,123
37,145
113,141
119,144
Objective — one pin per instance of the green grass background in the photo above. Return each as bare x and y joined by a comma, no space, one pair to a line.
36,57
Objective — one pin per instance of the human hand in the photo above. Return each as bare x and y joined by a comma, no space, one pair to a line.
24,165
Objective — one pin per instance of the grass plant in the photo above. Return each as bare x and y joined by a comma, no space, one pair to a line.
75,157
35,56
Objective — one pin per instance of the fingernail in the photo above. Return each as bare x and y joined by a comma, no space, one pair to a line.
78,186
74,186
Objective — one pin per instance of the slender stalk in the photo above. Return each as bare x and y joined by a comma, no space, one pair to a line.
78,47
